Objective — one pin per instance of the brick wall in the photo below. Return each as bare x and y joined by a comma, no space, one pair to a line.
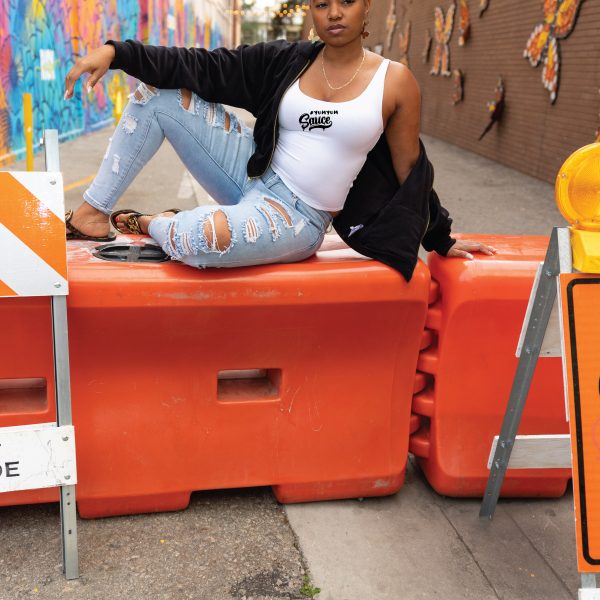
535,136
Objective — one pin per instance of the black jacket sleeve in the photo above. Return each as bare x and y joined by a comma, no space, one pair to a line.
222,75
387,221
437,236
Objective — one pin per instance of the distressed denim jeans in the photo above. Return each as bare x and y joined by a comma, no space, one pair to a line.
263,221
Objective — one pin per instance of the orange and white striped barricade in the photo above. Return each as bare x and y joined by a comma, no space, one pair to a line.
33,262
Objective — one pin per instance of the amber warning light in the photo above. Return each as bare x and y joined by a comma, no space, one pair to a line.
578,199
578,188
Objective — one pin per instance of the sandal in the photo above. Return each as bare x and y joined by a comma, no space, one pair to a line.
74,234
132,224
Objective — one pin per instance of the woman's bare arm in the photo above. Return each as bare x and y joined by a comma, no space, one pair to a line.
403,111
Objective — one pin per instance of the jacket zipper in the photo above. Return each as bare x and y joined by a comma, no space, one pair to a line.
277,117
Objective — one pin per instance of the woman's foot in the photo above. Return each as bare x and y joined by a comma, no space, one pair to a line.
123,221
89,221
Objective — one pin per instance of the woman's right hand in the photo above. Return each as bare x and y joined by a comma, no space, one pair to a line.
96,63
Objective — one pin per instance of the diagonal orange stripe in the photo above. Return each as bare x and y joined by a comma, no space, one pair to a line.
34,224
5,290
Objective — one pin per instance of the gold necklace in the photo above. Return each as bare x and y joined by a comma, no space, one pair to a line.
347,82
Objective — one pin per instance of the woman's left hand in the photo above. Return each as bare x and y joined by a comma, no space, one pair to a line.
463,249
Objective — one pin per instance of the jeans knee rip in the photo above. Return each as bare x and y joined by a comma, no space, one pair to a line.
213,248
251,230
193,106
187,244
271,222
129,124
234,124
277,213
143,94
179,245
116,163
214,114
107,148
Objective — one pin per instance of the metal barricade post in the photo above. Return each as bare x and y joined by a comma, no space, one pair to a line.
34,263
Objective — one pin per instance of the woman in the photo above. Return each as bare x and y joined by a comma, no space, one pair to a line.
336,137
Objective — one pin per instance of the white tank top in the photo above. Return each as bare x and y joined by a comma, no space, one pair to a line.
323,145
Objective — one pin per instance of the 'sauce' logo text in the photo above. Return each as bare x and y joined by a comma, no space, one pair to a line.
316,119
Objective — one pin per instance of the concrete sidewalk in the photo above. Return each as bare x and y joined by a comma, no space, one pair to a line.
241,544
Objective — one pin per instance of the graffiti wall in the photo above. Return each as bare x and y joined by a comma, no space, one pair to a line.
41,39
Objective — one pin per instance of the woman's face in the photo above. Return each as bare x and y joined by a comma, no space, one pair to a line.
338,22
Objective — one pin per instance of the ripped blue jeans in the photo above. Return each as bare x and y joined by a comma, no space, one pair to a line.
258,221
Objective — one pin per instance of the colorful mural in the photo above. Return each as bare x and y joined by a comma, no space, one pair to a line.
443,33
404,43
559,20
495,107
464,26
457,86
41,39
390,24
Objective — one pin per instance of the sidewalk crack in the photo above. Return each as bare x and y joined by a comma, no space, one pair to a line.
570,592
464,543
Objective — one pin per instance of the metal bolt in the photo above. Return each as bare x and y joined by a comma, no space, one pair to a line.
528,350
67,477
549,273
66,438
563,175
57,284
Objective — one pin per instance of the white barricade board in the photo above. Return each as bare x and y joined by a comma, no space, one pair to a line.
37,456
33,247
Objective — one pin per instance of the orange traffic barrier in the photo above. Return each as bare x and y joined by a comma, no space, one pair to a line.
27,393
465,375
296,376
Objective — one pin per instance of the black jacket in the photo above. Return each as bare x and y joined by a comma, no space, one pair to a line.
381,218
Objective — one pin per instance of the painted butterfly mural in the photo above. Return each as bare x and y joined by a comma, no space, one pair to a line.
390,24
457,86
404,43
542,45
495,107
464,25
442,35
